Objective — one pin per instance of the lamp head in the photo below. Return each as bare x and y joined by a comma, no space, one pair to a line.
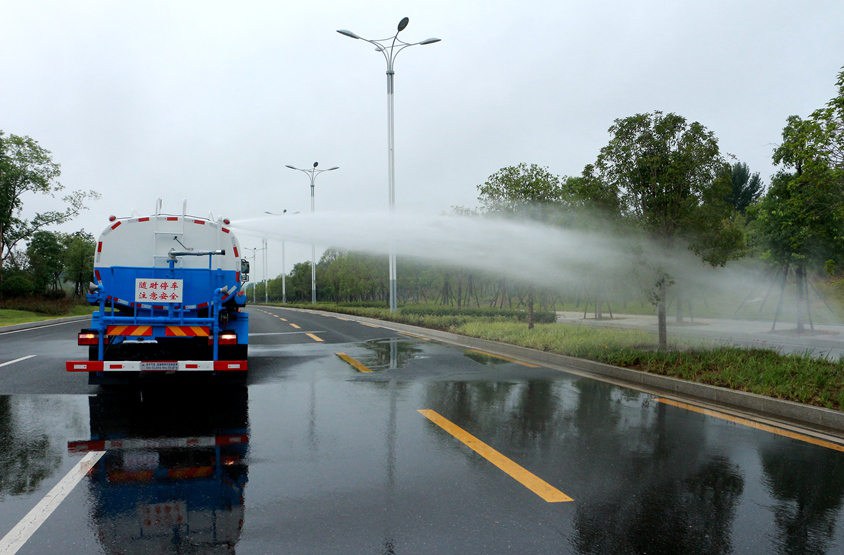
316,164
347,33
291,167
403,23
430,41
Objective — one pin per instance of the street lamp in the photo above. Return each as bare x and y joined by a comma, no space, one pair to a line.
283,270
255,262
312,174
390,48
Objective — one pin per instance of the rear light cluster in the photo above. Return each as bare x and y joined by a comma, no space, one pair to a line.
226,338
90,338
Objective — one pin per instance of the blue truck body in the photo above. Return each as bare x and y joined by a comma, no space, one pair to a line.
168,296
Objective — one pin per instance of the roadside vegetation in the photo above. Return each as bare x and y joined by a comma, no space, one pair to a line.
800,378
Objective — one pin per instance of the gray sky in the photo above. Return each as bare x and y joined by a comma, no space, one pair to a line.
207,101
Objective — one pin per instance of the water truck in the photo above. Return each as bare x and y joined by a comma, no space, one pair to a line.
168,295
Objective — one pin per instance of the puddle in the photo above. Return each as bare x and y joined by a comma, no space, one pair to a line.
390,354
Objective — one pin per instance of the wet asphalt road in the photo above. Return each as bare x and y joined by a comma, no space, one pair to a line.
316,456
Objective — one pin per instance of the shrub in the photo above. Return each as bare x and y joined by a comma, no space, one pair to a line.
16,287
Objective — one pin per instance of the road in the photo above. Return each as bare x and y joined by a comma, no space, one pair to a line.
396,445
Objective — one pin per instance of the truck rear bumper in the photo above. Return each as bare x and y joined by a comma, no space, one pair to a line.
156,366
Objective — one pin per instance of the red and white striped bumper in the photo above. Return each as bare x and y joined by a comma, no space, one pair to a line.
156,366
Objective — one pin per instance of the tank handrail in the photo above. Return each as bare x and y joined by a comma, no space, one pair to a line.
174,253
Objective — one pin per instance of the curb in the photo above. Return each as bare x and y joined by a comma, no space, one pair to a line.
789,412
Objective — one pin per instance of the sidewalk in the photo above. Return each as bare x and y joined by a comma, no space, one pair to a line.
826,340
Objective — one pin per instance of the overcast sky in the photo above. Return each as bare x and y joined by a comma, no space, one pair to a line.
208,101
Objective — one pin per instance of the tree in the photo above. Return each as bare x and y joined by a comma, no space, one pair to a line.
668,176
45,252
79,260
799,221
521,190
746,187
25,168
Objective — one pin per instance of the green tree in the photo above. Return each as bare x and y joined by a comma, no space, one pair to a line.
747,187
79,260
45,252
299,282
524,190
667,175
27,168
799,222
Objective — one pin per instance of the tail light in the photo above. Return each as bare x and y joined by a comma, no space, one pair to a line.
228,338
90,338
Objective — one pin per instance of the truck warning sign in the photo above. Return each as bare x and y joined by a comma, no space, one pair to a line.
158,290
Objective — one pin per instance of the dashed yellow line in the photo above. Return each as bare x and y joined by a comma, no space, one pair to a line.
355,364
531,481
314,337
508,359
752,424
295,326
368,325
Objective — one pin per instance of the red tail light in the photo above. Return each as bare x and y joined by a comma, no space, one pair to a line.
90,338
228,338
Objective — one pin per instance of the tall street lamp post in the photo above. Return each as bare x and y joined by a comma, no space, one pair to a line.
390,48
283,270
312,174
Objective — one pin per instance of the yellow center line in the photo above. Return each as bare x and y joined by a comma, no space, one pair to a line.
355,364
295,326
368,325
314,337
531,481
283,319
508,359
757,425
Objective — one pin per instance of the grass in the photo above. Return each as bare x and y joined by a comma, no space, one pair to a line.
800,378
11,317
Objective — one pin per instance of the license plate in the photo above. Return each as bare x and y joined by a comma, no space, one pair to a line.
160,366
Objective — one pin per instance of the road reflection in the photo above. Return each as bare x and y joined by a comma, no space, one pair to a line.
173,475
29,453
647,483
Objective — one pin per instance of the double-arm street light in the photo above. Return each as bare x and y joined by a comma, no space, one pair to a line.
390,48
312,174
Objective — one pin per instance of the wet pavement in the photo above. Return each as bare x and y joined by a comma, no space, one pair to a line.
317,456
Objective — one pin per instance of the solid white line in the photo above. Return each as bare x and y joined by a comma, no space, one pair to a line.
16,360
80,319
284,333
24,530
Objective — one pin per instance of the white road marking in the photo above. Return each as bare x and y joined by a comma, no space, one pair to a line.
284,333
16,360
24,530
45,326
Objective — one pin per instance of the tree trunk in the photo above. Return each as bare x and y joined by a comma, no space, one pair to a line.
679,307
800,273
660,311
530,308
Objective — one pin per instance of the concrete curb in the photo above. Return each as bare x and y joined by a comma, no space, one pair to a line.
789,412
43,323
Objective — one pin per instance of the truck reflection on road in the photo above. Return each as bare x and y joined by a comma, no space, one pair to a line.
173,475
